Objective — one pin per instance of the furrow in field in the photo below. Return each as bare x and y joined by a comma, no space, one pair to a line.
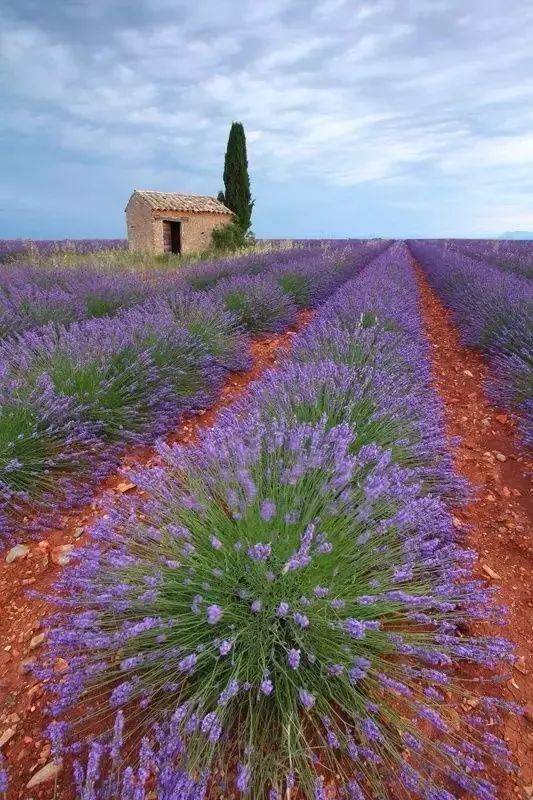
495,522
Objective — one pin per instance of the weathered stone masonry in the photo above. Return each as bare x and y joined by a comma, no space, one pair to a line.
147,212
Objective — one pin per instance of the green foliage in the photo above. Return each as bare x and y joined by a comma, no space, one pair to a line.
298,287
228,238
98,305
236,178
23,454
110,396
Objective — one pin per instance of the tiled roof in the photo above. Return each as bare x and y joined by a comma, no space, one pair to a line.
172,201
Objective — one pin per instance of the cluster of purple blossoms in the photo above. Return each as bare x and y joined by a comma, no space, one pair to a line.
344,600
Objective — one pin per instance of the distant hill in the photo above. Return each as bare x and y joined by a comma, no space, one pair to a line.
517,235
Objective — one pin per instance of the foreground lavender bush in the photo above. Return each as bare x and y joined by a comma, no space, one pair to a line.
290,588
286,606
44,444
494,312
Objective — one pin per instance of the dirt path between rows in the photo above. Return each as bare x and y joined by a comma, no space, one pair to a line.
497,523
22,696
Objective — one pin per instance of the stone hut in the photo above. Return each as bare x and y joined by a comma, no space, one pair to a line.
167,222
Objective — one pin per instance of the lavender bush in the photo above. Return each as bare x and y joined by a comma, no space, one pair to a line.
65,393
258,303
206,318
494,312
285,606
31,306
47,453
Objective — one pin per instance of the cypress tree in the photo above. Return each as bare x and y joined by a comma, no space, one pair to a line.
236,179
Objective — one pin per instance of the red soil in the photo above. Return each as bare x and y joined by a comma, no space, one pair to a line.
22,696
497,523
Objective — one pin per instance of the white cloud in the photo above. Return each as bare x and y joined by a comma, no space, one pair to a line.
344,95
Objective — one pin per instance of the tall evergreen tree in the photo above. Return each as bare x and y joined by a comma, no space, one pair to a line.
237,194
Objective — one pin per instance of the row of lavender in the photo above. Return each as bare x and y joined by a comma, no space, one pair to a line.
32,296
13,249
509,255
494,312
72,397
286,604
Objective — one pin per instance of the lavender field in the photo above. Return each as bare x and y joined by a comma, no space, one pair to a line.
15,249
286,607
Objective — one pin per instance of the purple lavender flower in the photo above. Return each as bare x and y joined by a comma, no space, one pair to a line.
371,730
211,726
260,552
243,777
306,699
4,778
268,510
229,692
266,686
225,647
282,610
188,663
319,791
214,614
293,658
121,694
332,739
355,628
301,620
196,604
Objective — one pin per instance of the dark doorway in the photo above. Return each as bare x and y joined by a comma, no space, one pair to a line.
172,236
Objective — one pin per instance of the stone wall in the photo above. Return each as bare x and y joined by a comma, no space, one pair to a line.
196,229
145,227
139,225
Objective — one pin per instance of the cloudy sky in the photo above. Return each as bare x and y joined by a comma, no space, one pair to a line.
363,117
